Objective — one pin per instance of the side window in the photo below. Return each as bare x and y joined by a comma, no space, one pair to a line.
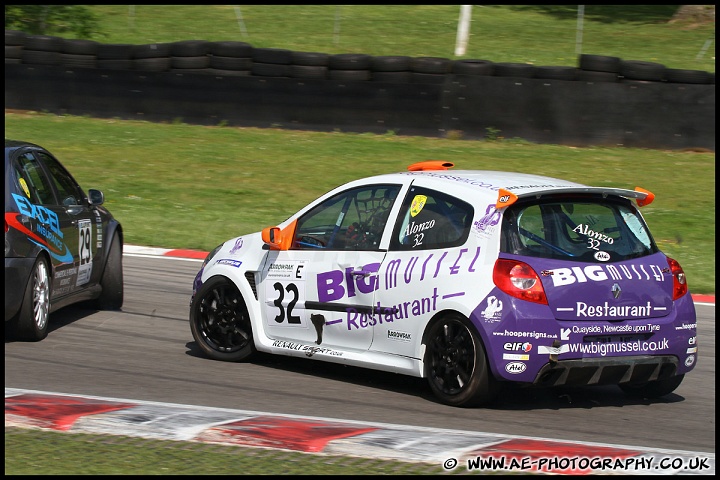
352,220
68,190
430,219
33,181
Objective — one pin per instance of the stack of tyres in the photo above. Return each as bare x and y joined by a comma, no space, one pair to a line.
350,67
189,56
152,57
78,53
230,58
14,43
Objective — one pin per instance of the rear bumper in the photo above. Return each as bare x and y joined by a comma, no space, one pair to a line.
17,273
607,371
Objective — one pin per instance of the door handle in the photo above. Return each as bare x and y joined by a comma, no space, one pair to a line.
361,273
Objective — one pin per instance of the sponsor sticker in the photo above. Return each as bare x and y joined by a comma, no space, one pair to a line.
515,368
417,204
515,356
229,261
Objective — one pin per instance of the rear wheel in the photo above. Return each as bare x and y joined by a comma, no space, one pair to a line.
31,322
456,365
219,321
653,389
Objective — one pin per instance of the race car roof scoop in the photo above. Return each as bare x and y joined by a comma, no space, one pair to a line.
430,165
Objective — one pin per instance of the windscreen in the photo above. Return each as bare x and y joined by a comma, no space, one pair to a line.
584,229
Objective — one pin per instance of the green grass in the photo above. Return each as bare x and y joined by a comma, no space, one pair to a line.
186,186
540,34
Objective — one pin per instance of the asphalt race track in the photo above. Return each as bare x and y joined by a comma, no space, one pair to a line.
146,353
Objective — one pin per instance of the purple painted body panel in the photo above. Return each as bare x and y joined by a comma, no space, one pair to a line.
642,321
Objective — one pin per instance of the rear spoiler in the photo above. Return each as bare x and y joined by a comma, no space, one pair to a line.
642,197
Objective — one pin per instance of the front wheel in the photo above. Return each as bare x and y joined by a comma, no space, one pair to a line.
456,365
111,297
220,322
31,322
653,389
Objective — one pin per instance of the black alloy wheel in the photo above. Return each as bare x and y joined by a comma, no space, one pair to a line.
455,363
220,322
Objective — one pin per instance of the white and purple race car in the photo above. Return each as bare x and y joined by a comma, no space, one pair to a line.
467,278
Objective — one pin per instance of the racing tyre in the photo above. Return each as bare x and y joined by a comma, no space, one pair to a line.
220,322
455,364
111,282
653,389
31,323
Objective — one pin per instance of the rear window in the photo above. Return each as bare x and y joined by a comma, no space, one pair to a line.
583,229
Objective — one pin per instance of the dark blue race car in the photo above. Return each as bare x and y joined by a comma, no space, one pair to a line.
61,245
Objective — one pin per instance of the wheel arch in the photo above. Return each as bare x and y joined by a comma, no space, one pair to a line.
437,318
113,227
247,294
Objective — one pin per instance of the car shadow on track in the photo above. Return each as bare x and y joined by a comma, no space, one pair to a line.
58,319
510,397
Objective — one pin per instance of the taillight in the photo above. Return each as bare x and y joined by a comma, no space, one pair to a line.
519,280
680,287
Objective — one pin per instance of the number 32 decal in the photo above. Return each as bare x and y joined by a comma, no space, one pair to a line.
286,313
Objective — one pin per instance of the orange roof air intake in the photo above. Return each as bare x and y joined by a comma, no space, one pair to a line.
430,165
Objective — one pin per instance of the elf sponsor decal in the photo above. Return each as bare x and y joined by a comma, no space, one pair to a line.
515,346
582,309
601,273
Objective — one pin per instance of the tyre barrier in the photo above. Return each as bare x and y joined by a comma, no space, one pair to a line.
604,100
240,58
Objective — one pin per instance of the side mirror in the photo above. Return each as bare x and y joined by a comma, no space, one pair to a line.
271,236
279,239
96,197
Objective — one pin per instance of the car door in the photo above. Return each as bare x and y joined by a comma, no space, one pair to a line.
320,291
60,219
427,266
77,221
